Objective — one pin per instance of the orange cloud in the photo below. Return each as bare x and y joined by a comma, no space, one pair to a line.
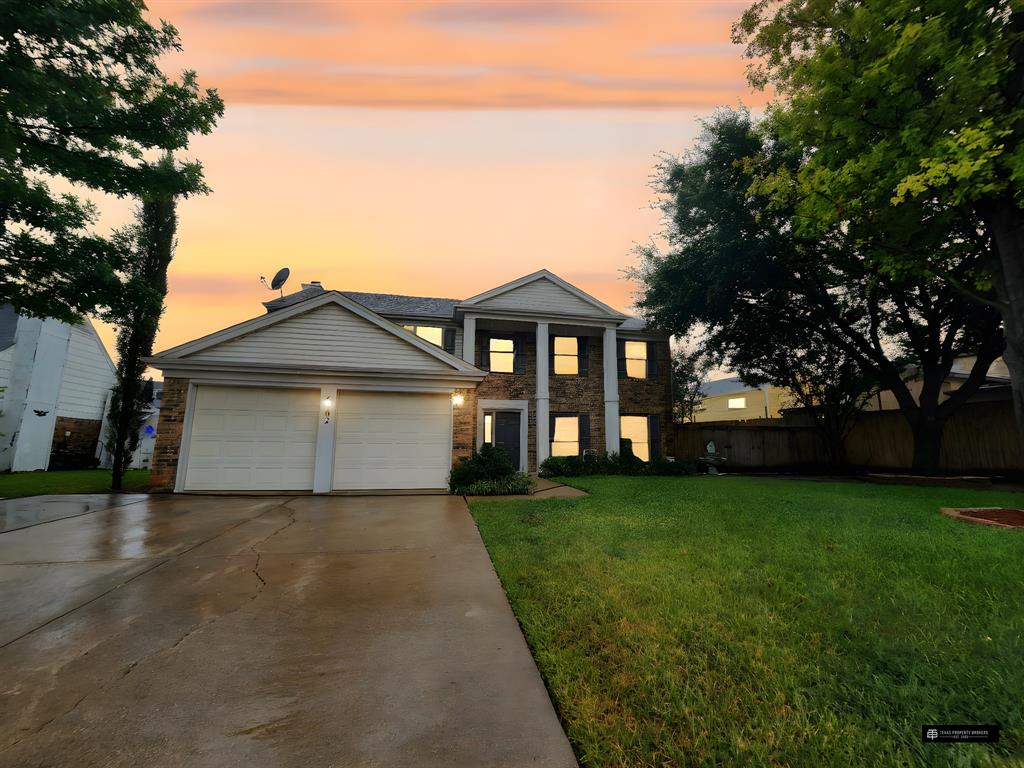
459,55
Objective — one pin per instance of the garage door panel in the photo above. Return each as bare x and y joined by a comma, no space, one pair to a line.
246,438
392,440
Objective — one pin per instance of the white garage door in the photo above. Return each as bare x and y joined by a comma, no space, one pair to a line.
392,440
252,439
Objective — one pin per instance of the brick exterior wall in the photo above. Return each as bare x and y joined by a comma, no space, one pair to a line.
583,394
167,448
516,386
76,450
642,397
568,394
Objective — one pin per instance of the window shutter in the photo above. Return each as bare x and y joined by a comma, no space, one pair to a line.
584,432
583,348
483,351
551,431
551,355
519,353
448,340
654,435
620,347
652,359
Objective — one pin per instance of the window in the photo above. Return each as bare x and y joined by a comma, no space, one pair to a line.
567,355
565,438
503,355
737,403
489,428
636,428
432,333
636,359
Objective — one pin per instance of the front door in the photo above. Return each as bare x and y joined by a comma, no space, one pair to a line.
506,434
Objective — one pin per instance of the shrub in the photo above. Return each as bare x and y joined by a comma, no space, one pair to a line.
519,483
624,463
489,463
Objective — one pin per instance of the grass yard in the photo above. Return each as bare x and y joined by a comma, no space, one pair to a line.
15,484
732,621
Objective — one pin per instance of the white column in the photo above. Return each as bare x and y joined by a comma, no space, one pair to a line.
611,392
323,463
543,401
469,339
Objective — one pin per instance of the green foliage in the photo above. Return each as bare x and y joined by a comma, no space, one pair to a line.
689,374
519,483
489,463
136,311
811,311
84,100
624,463
735,621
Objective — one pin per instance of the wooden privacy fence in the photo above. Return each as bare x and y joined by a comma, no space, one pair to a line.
980,438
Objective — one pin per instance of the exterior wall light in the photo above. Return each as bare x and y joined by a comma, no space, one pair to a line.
327,410
458,400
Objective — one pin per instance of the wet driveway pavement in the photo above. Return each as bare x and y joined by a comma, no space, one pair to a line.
261,631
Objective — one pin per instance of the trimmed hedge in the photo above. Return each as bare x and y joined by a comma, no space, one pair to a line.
518,484
611,464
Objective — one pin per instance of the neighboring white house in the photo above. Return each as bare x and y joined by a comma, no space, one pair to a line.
56,380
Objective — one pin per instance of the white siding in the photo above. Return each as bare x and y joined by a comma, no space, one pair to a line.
542,295
88,375
327,337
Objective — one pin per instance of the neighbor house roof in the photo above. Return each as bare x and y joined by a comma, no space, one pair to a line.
725,387
8,325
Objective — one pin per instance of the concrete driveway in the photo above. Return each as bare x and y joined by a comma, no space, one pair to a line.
259,631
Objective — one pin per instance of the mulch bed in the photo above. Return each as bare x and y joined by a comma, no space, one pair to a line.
1009,518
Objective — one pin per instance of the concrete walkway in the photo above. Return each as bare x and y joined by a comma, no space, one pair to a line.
232,631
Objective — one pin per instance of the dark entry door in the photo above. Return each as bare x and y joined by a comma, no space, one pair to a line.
506,433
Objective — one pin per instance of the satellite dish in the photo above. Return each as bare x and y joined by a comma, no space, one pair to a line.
279,280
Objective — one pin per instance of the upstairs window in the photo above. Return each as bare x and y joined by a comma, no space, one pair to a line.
566,356
503,355
737,403
636,359
432,333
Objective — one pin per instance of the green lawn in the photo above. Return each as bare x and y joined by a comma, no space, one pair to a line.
16,484
728,621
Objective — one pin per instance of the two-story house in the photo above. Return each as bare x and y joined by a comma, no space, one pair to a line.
344,391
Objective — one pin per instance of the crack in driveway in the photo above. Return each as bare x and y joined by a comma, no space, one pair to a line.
134,664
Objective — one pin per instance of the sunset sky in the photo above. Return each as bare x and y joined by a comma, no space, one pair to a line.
433,148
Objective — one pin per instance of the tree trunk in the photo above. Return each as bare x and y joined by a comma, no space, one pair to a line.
1005,223
927,431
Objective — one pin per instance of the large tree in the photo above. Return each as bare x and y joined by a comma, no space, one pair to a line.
913,117
737,265
136,312
84,101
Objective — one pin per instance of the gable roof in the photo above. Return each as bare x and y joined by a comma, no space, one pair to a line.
336,299
550,277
